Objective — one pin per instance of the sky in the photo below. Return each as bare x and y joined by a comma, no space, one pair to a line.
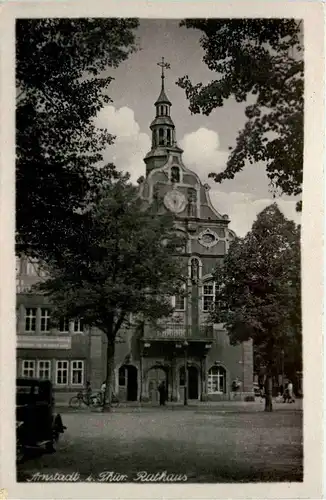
204,139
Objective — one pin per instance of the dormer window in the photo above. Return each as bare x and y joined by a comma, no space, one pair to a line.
175,174
161,136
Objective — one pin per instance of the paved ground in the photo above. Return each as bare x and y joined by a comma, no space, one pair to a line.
221,443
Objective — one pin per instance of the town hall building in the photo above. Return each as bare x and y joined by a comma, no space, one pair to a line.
193,356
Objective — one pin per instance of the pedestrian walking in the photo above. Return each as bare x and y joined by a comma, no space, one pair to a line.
162,392
290,392
88,391
103,388
285,394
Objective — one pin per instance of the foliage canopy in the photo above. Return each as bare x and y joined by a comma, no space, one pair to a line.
259,60
259,289
60,89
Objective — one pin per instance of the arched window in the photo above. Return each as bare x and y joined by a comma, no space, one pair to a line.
32,267
216,382
179,300
161,136
175,174
168,137
208,295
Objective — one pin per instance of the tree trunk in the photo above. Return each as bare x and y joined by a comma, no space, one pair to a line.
109,374
269,392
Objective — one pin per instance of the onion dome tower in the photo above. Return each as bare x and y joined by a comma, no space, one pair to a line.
163,129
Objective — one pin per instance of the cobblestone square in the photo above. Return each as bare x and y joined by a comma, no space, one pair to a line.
205,444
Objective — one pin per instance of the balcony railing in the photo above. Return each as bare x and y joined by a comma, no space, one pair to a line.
175,331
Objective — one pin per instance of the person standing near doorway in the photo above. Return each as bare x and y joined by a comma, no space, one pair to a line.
102,391
162,392
290,392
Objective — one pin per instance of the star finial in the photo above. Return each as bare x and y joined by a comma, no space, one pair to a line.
164,65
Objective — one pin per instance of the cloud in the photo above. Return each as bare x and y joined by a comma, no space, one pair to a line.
243,208
130,145
202,151
202,154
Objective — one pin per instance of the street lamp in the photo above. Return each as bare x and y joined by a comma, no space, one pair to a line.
185,346
282,367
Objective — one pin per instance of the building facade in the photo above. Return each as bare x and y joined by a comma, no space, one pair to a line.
193,356
67,353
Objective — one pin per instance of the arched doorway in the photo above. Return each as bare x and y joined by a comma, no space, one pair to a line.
192,381
128,379
156,375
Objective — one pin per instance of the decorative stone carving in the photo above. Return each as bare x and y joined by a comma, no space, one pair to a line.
208,238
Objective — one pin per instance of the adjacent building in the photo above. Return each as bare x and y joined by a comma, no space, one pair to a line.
193,356
67,353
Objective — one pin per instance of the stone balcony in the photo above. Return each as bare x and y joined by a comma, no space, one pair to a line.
177,331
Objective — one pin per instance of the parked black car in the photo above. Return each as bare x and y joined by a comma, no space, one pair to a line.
36,422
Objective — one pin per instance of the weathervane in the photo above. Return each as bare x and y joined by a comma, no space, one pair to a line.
164,65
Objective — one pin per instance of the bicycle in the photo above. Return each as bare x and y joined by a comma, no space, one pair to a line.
115,401
83,399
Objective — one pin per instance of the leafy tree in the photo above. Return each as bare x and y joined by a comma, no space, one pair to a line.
259,294
260,60
60,89
118,262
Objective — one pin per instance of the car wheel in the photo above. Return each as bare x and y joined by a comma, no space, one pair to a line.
49,448
75,402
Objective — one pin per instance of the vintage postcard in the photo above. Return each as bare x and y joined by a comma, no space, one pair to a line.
161,201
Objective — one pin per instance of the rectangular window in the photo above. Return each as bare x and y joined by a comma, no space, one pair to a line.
17,266
180,302
77,372
28,368
64,325
45,320
30,319
208,296
216,380
61,375
32,267
78,326
44,369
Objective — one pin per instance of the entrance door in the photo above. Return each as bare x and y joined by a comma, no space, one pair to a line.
132,383
193,382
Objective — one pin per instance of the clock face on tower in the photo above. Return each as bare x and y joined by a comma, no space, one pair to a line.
175,201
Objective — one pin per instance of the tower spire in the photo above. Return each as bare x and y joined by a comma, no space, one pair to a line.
162,127
164,65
